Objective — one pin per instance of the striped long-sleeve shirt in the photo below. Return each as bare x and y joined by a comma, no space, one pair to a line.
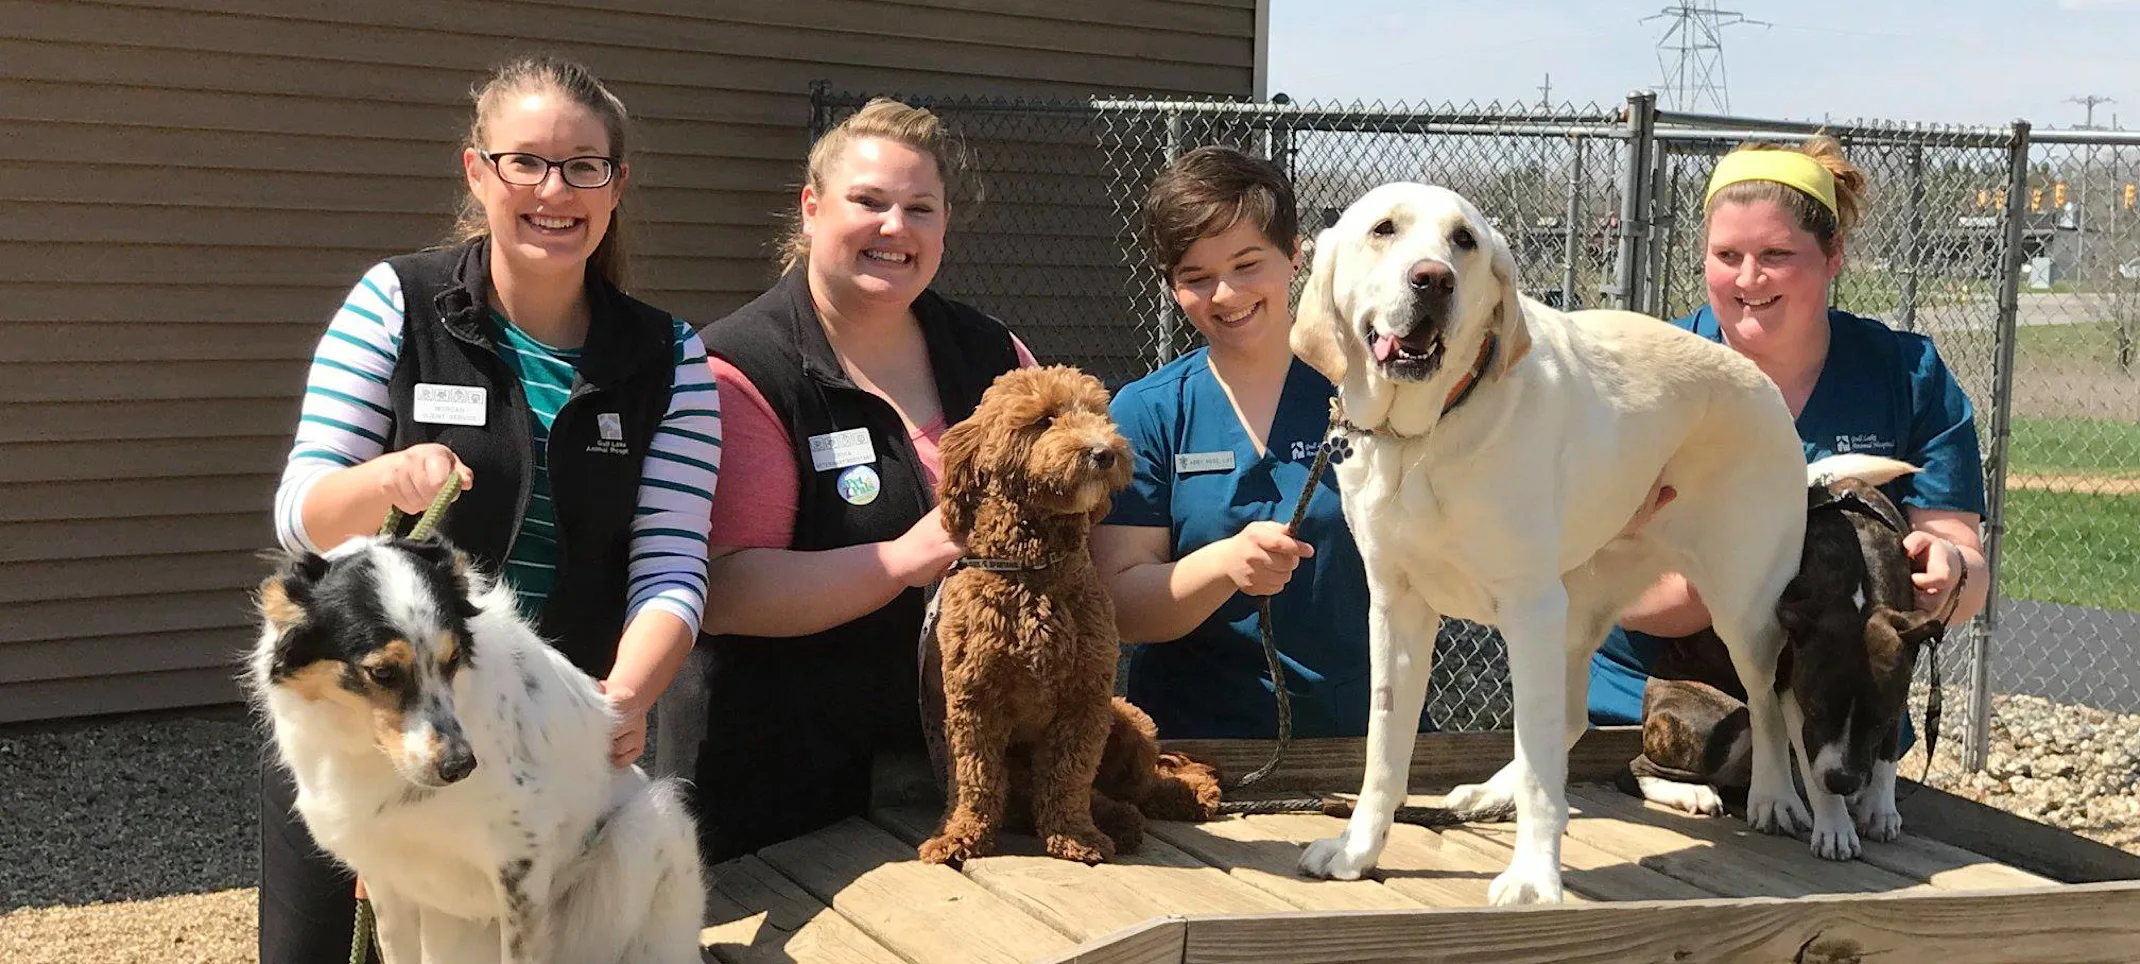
346,419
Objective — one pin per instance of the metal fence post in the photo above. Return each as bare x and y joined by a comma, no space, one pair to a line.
1169,317
1976,736
1634,191
1913,239
1570,225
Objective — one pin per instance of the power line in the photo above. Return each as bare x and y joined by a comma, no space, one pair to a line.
2089,101
1695,81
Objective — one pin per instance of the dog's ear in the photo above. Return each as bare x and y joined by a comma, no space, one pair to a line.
1796,609
1509,323
1913,627
1315,323
960,490
287,591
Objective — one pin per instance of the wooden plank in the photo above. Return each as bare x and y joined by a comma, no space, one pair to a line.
1757,853
149,418
172,304
1255,852
91,578
1153,942
80,619
118,692
130,498
1417,862
111,381
2016,841
1088,902
148,652
1585,869
2089,923
145,459
923,912
1439,760
759,917
58,342
103,538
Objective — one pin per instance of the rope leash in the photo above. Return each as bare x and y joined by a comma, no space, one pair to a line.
365,933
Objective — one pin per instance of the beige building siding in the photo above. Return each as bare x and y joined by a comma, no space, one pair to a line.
188,188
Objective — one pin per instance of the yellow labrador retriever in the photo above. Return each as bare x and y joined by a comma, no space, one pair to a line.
1503,448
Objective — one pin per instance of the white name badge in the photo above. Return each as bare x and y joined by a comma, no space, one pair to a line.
838,450
1187,463
450,404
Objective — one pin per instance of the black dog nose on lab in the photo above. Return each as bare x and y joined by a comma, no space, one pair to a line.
1431,276
1103,457
1842,783
456,764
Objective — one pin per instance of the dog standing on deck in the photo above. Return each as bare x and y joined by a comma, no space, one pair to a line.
461,767
1501,448
1852,635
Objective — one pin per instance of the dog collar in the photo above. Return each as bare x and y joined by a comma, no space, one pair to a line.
1851,502
1457,395
990,564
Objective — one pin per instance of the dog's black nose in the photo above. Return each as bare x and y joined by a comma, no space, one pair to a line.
1842,783
1432,276
457,764
1103,458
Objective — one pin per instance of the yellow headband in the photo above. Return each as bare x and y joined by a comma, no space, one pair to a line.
1788,168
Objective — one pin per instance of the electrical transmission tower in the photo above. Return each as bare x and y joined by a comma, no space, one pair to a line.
1694,76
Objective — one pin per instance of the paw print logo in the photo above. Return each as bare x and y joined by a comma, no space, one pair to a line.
1340,448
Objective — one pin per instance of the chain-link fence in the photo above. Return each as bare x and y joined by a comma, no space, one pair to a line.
2018,254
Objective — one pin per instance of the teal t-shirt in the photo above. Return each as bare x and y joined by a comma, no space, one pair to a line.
1880,391
1198,474
546,376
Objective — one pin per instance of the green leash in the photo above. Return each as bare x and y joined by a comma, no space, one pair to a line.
365,933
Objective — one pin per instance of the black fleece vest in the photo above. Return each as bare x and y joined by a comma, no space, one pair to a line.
597,443
777,341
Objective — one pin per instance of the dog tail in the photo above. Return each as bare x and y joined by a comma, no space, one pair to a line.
1870,469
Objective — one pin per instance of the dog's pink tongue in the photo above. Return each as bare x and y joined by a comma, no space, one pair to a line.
1384,346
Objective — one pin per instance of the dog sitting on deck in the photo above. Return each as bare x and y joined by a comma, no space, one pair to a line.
461,767
1025,630
1852,636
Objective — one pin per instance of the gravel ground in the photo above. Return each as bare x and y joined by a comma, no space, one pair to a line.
134,838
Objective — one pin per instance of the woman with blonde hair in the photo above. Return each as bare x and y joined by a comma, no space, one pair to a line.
1775,223
837,384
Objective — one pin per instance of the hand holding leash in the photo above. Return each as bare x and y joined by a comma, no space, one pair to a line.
417,474
1263,556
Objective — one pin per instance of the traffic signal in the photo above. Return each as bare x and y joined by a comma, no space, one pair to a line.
2058,194
1984,199
2035,199
2128,197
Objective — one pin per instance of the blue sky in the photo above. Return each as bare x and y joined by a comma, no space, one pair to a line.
1961,61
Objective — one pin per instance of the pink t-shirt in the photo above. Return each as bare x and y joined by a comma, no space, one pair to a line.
754,506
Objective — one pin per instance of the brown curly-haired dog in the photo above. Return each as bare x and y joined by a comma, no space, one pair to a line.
1025,630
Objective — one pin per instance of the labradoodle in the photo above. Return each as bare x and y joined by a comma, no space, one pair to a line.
1027,633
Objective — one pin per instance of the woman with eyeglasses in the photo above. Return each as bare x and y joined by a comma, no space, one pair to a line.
583,424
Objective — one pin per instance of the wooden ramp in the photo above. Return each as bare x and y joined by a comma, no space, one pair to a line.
1643,884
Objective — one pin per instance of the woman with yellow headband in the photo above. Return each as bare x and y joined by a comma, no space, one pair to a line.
1774,225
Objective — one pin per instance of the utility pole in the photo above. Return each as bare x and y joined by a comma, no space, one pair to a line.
1545,94
2080,221
1697,78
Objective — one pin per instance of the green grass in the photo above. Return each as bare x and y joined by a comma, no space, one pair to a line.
2094,341
2092,445
2081,550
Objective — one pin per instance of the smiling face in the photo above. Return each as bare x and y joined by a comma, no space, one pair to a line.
550,227
1235,286
876,225
1767,276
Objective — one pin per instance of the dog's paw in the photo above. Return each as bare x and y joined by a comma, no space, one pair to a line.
962,840
1480,796
1089,848
1338,858
1781,814
1526,881
1836,841
1876,820
1699,799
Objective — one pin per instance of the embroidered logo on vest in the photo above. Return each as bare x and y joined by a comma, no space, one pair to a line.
610,426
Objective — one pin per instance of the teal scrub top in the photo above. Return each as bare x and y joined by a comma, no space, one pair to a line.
1880,391
1198,474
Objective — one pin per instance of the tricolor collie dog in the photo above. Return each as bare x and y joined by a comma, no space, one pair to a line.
1853,635
1502,449
461,767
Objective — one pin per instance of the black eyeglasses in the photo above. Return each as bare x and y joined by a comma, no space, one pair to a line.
527,170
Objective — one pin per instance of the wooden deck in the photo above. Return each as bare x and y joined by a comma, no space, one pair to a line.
1643,883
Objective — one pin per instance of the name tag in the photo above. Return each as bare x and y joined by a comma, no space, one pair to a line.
1187,463
450,404
838,450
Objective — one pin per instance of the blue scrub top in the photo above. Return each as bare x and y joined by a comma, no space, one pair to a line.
1199,475
1880,391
